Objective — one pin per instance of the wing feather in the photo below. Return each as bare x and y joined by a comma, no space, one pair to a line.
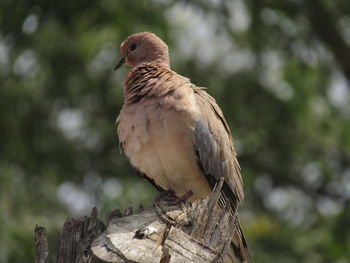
214,147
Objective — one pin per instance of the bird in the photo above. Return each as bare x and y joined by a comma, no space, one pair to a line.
174,133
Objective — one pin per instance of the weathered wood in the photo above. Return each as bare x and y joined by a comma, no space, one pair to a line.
77,235
168,232
42,246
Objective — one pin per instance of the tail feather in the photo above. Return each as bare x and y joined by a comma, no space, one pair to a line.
239,251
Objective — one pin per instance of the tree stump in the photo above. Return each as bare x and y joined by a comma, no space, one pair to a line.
167,232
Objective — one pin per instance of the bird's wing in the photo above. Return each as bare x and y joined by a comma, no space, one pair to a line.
214,147
217,158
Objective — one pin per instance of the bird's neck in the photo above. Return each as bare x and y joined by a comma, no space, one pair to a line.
160,60
150,80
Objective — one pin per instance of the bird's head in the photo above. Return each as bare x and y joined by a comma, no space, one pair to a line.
142,48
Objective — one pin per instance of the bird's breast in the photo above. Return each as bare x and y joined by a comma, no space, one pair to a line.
158,141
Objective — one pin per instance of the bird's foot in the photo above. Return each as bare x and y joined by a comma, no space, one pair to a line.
183,198
173,209
168,192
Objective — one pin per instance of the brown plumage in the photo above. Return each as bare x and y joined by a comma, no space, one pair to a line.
174,133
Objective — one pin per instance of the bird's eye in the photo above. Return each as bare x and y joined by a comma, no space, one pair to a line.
132,47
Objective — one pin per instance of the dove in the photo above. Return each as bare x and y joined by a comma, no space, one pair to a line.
174,133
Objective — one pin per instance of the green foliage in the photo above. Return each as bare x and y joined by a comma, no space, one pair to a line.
283,88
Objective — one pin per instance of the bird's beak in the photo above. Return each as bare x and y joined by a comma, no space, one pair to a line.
120,63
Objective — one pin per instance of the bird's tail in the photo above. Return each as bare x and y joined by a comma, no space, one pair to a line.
238,251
